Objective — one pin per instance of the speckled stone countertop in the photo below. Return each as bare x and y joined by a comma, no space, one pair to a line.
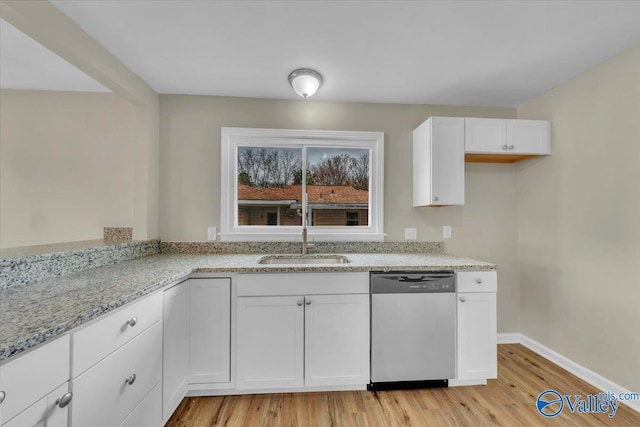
33,313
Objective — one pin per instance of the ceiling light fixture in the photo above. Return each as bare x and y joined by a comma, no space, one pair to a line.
305,81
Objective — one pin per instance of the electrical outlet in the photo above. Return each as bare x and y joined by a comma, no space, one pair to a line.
446,232
212,233
410,234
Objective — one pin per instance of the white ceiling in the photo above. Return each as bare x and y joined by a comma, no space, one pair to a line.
26,64
496,53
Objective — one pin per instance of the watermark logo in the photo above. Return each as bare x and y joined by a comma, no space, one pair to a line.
550,403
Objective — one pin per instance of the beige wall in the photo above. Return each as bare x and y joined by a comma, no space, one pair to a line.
579,222
485,228
66,167
44,23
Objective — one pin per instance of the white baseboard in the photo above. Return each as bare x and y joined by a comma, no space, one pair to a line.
458,383
510,338
576,369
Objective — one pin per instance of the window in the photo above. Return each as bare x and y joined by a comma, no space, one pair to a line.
272,179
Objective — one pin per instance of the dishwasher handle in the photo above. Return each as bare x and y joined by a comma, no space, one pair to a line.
413,279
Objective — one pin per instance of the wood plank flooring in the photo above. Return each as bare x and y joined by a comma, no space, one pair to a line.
507,401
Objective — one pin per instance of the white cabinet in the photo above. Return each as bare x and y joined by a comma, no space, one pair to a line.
175,368
148,412
336,340
209,330
270,340
508,137
287,339
485,135
50,411
529,137
438,162
476,326
109,391
33,380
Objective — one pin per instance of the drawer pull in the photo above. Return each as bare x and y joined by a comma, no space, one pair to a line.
462,299
479,281
2,395
64,400
132,321
307,301
299,302
130,380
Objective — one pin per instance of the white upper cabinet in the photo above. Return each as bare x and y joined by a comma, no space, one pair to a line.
438,162
529,137
485,135
512,140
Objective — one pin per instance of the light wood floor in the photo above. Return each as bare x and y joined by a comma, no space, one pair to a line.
507,401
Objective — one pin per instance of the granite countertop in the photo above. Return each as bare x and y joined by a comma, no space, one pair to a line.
34,313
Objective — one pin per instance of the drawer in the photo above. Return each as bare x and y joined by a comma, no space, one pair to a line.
102,397
148,412
98,340
33,375
477,281
265,284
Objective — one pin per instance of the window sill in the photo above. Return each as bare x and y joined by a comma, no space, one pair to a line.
297,237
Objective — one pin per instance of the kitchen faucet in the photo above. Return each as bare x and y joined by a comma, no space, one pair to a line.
305,244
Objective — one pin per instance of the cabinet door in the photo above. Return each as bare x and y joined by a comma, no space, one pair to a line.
209,330
477,336
44,413
529,136
336,340
175,366
485,135
438,162
270,342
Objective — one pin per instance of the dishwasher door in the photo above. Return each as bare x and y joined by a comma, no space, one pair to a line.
413,336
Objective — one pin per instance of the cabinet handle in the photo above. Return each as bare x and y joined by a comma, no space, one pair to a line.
462,299
511,147
479,281
307,301
299,303
64,400
505,147
131,379
132,321
2,396
435,199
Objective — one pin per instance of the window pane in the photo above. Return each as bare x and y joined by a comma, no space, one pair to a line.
338,186
269,186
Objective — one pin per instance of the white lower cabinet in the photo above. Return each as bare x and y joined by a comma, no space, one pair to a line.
148,413
47,412
270,340
336,340
109,391
303,340
32,382
175,365
209,330
476,329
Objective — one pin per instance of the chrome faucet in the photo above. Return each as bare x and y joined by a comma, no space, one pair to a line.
305,247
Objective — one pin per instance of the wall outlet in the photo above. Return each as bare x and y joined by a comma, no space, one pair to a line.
212,233
410,234
446,232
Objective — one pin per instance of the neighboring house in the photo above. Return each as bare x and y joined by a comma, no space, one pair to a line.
332,205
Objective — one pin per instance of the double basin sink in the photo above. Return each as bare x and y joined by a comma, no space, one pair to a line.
304,259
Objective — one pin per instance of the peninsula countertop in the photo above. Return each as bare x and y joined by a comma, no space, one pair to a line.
34,313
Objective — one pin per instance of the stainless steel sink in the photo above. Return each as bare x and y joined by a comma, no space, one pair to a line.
308,259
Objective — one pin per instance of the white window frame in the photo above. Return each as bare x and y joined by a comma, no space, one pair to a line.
232,138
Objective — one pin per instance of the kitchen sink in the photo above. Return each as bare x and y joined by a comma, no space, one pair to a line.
304,259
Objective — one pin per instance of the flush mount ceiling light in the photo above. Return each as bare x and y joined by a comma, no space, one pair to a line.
305,81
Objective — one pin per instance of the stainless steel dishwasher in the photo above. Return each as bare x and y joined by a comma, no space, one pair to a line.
413,317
